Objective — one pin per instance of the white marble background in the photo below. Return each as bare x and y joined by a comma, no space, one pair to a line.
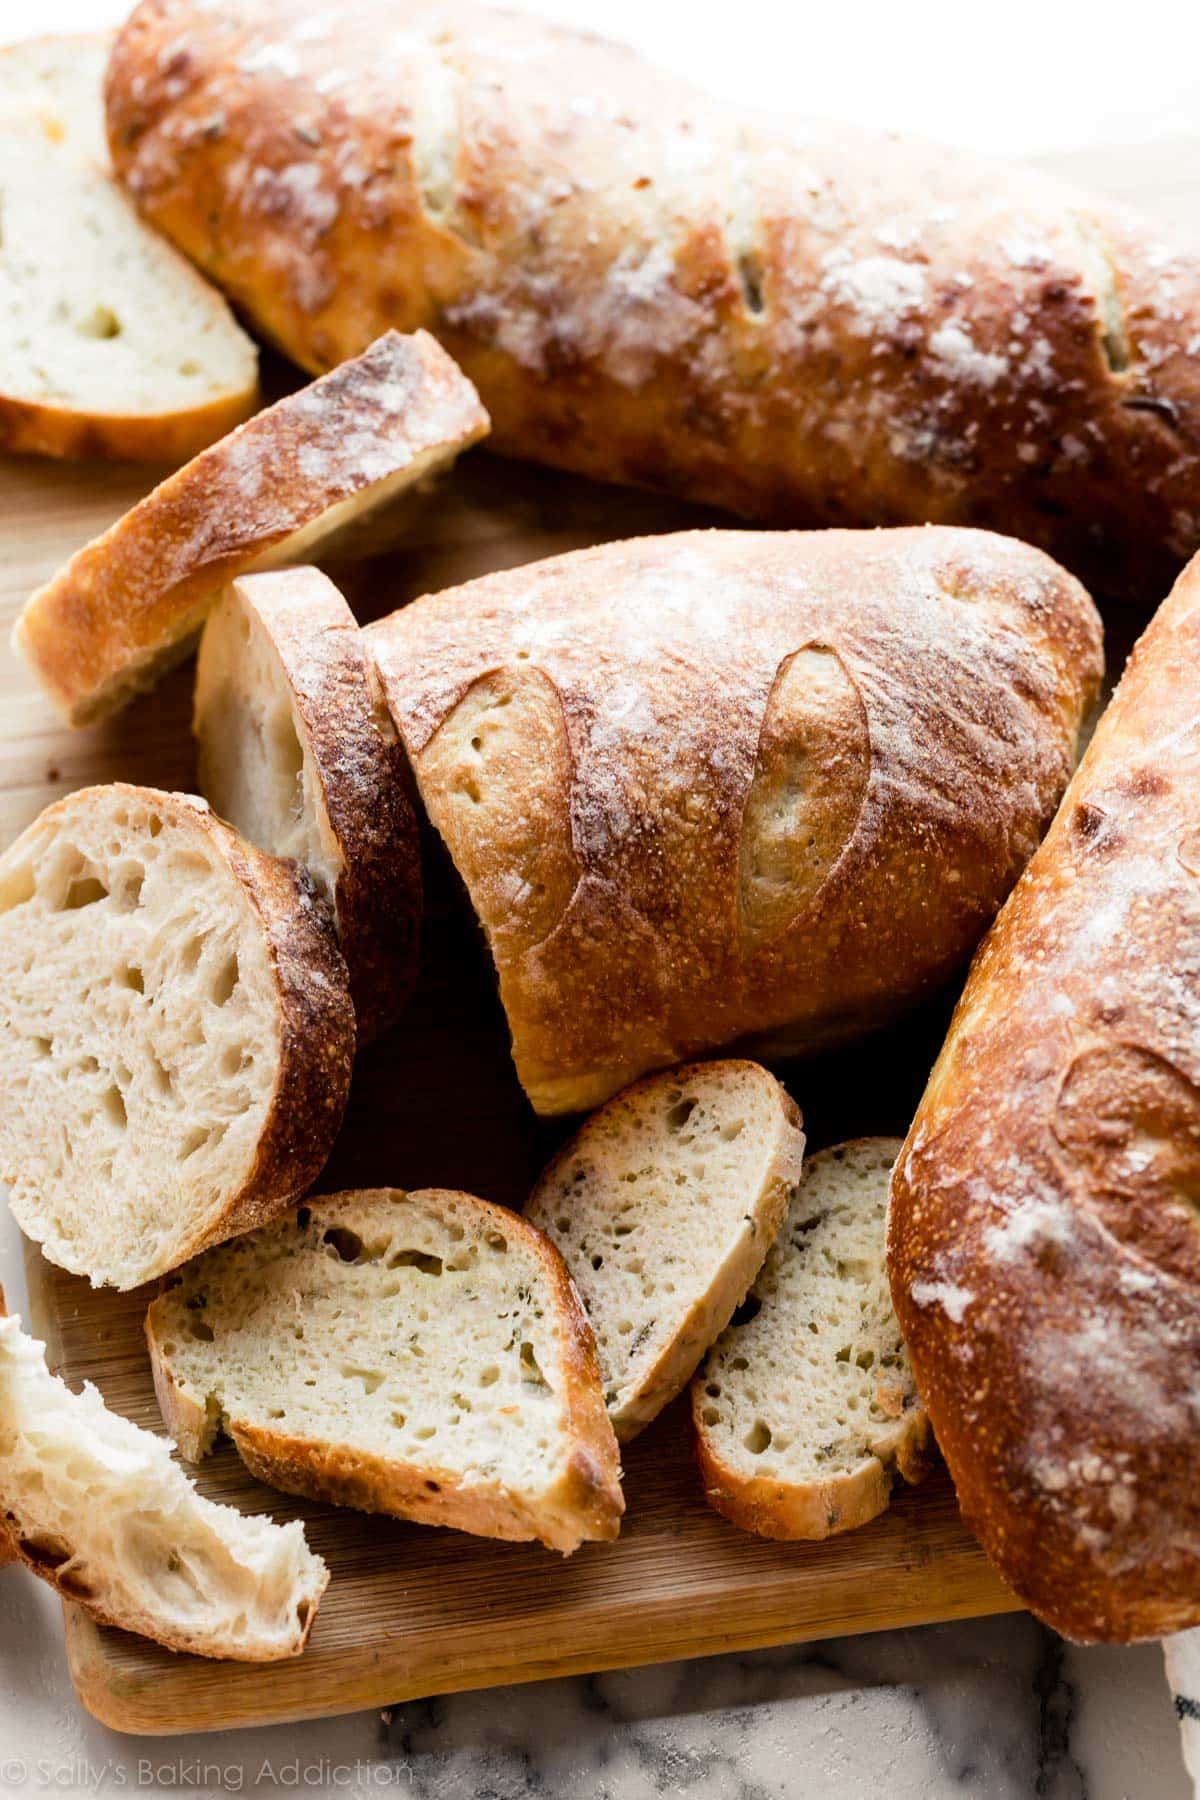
993,1708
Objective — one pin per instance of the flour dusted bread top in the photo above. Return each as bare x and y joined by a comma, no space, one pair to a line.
422,1354
176,1033
95,1506
1044,1240
130,603
723,783
664,1205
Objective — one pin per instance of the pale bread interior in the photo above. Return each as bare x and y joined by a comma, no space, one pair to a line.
60,80
662,1189
815,1382
99,1505
140,1048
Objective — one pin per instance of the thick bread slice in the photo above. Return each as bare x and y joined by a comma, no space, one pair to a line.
664,1206
128,604
298,750
176,1032
805,1409
111,343
420,1354
96,1507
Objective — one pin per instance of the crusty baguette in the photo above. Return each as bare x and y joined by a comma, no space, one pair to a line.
128,604
111,344
176,1032
96,1507
737,782
805,323
296,749
420,1354
805,1410
664,1205
1044,1244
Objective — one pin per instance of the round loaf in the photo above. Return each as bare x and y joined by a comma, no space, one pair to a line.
731,783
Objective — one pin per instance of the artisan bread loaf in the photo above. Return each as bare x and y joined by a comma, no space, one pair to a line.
723,783
296,749
421,1354
802,322
96,1507
176,1033
805,1408
129,604
663,1206
1044,1240
111,344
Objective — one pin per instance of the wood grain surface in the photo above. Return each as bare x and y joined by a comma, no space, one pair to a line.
413,1612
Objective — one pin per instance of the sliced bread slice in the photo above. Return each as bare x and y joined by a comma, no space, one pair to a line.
60,80
805,1407
176,1032
298,751
96,1507
129,604
664,1206
420,1354
111,343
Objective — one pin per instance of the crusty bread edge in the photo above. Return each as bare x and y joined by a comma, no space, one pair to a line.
584,1505
32,427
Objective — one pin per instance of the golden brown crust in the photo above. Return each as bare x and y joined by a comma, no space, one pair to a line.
365,782
586,733
809,325
103,625
29,427
1044,1245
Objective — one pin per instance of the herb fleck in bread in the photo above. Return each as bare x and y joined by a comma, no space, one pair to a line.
176,1032
664,1206
297,750
420,1354
97,1508
128,604
805,1409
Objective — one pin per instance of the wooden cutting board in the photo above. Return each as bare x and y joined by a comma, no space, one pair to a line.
413,1612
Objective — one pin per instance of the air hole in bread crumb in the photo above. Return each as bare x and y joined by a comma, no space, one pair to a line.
131,977
195,1138
749,1309
498,1242
154,825
101,322
128,890
16,888
42,1045
530,1368
114,1106
680,1113
398,1421
489,1376
225,981
416,1259
345,1243
85,890
597,1262
758,1438
710,1415
201,1331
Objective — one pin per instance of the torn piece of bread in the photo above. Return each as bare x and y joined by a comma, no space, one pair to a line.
419,1354
806,1407
664,1205
176,1032
298,751
111,343
95,1506
127,605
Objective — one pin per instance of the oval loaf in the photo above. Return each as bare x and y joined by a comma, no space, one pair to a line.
731,783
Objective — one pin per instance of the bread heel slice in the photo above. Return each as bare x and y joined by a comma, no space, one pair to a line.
176,1032
805,1409
130,603
298,751
96,1507
420,1354
664,1205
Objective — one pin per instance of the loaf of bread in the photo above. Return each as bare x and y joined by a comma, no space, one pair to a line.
805,1409
176,1032
296,749
419,1354
1044,1237
664,1205
804,323
129,604
96,1507
724,783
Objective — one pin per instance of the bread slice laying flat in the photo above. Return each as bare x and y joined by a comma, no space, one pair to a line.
111,343
664,1206
806,1407
96,1507
419,1354
298,751
176,1032
129,604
